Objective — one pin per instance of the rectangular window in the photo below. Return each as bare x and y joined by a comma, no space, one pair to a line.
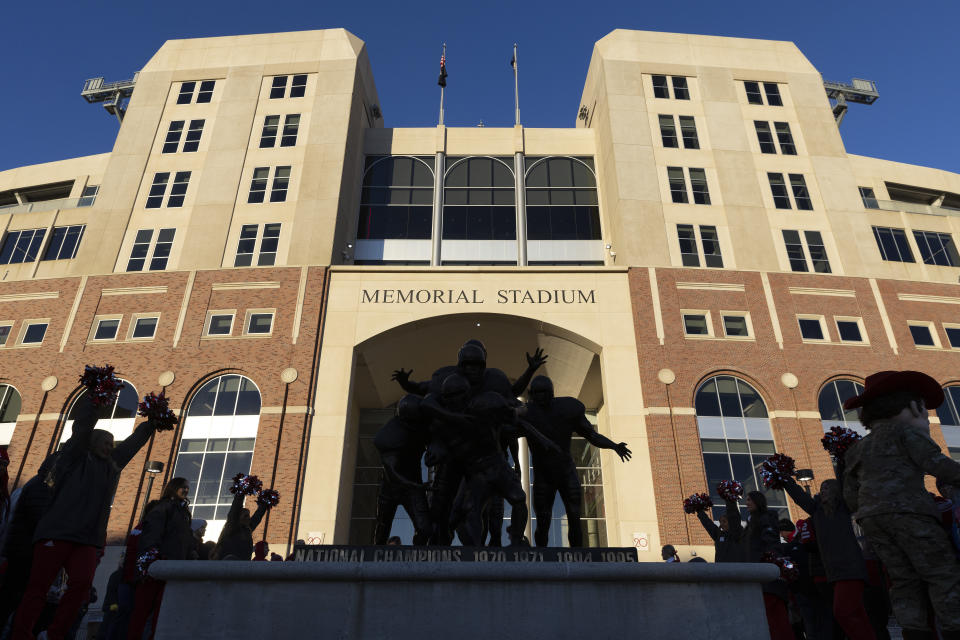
811,328
688,129
818,252
246,245
21,246
157,190
764,137
753,92
281,181
800,194
144,328
869,199
268,136
953,336
142,250
849,330
259,323
34,333
205,94
141,247
268,245
278,88
689,255
781,200
937,248
773,94
711,247
798,261
290,126
64,242
192,143
893,244
668,132
161,251
4,334
89,195
735,326
678,185
106,329
785,138
173,137
220,324
298,86
680,90
178,191
922,335
660,89
698,184
258,185
186,92
696,324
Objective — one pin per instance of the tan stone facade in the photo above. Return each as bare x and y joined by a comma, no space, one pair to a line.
608,308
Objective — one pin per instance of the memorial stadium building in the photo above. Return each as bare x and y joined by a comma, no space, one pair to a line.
710,272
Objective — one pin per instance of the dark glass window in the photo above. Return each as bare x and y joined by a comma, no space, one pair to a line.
106,330
695,324
258,185
141,246
192,143
298,86
818,252
34,333
157,190
161,251
800,194
753,92
290,126
937,248
89,195
246,245
205,94
698,185
680,90
268,245
953,336
869,199
791,239
178,191
678,185
811,328
278,87
186,92
281,182
849,331
781,200
173,137
64,242
397,199
660,89
145,328
689,255
764,137
787,147
9,403
260,323
21,246
268,135
668,132
735,326
220,325
773,94
922,336
562,200
688,129
4,335
711,247
893,244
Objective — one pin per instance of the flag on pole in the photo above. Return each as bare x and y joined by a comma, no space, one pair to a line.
513,61
442,80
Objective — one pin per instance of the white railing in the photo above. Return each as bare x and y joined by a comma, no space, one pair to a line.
911,207
43,205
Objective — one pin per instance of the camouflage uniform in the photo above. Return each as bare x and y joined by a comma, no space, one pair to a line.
884,485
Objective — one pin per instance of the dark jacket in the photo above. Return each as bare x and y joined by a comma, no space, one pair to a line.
236,539
726,545
33,502
84,484
839,550
762,534
167,527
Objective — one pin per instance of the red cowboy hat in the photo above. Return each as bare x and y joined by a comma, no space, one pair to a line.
885,382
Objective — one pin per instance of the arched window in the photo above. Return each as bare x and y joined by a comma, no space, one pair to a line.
949,414
397,199
118,418
478,200
735,437
831,400
9,411
562,200
219,434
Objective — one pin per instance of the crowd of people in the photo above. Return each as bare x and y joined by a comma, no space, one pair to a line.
53,531
875,540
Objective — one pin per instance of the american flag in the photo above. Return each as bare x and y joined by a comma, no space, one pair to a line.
442,80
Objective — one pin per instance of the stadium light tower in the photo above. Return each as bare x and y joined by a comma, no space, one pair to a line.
859,90
113,95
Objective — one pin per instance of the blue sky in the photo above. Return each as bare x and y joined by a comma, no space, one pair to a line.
909,49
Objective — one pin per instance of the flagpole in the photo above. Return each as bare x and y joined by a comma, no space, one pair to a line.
516,83
442,87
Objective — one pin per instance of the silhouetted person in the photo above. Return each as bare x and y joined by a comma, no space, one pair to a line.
236,538
555,470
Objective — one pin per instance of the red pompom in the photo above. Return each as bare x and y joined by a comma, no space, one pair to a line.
775,470
788,571
697,502
268,498
156,409
102,385
247,485
838,440
730,490
145,559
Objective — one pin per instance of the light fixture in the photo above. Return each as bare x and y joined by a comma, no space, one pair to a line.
804,475
152,468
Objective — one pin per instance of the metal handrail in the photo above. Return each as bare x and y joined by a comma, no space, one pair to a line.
912,207
43,205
